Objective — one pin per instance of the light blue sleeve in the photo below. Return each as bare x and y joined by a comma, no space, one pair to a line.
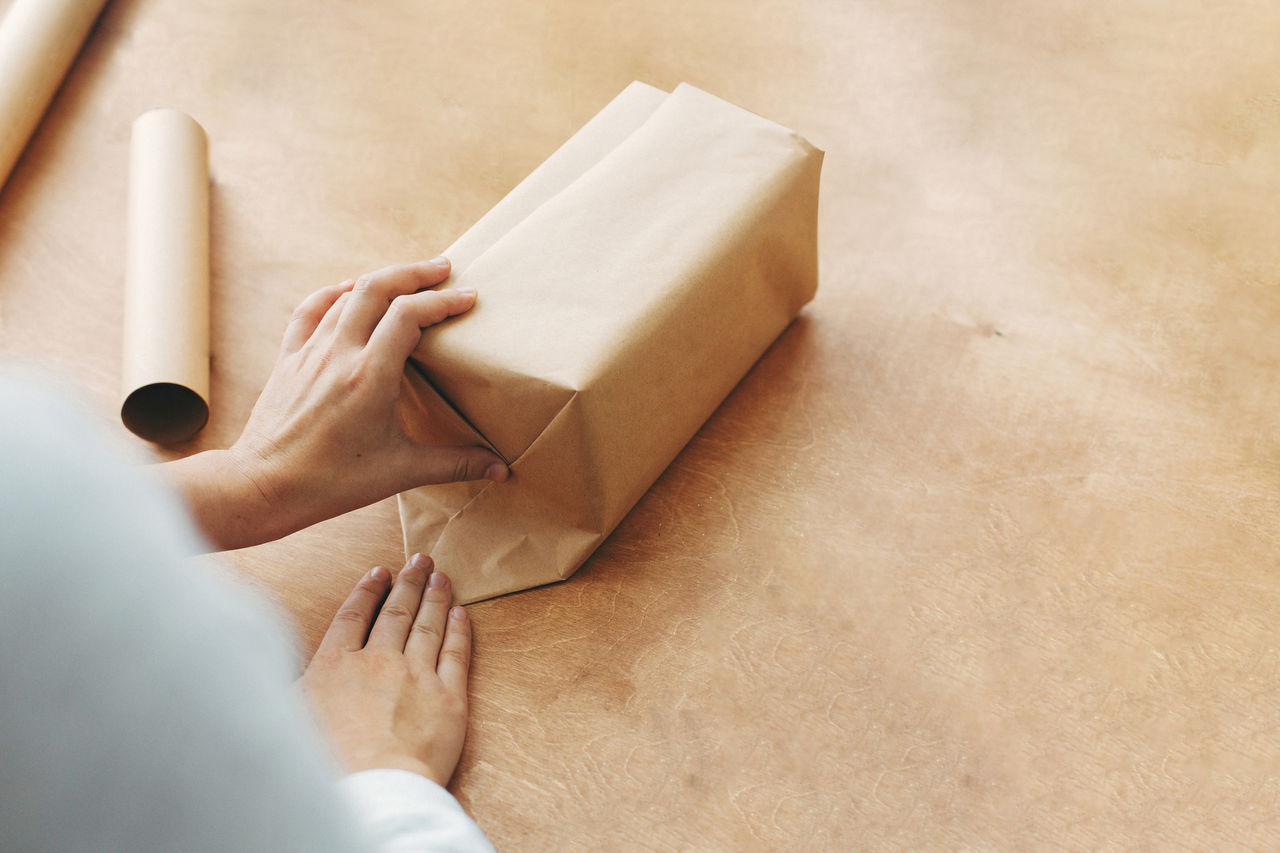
145,705
407,813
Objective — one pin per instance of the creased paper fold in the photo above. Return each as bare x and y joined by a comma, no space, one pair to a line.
624,288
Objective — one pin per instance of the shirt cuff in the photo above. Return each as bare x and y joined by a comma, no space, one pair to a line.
407,813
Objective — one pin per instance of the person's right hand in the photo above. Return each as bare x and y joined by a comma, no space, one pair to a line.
327,434
389,681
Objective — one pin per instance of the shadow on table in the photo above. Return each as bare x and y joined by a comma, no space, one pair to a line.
727,472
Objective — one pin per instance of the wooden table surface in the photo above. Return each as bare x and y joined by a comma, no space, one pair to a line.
982,554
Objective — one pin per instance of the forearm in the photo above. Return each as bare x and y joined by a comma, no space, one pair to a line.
228,499
239,497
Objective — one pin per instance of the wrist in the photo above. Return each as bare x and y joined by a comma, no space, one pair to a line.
232,496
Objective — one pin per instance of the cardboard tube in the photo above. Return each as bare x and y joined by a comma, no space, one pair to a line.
39,39
166,305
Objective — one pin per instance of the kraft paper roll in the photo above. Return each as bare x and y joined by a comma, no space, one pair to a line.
39,39
166,308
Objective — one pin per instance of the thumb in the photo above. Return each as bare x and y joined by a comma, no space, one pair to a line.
456,464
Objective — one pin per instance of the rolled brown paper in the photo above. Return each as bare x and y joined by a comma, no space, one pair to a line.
39,39
166,306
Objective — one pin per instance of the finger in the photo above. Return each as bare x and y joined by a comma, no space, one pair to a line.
392,627
307,316
428,629
454,464
329,324
455,652
372,294
401,326
350,625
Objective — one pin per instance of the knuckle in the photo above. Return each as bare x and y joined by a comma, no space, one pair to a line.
455,706
323,359
426,629
350,614
462,468
327,657
435,595
459,656
400,310
365,284
396,611
356,376
380,662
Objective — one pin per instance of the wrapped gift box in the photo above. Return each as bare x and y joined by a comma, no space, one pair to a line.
624,288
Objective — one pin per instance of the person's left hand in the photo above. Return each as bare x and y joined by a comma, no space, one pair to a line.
388,684
326,435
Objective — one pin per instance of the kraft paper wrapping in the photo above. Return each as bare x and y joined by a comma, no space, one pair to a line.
624,288
39,39
166,306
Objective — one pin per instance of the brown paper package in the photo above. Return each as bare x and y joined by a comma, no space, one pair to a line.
624,288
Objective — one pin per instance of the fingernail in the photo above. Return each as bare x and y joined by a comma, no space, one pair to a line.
420,561
379,574
438,580
458,613
441,261
497,472
468,292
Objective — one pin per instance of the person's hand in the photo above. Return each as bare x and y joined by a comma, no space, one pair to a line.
388,684
327,435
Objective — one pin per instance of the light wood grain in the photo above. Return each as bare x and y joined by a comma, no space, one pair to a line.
983,552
